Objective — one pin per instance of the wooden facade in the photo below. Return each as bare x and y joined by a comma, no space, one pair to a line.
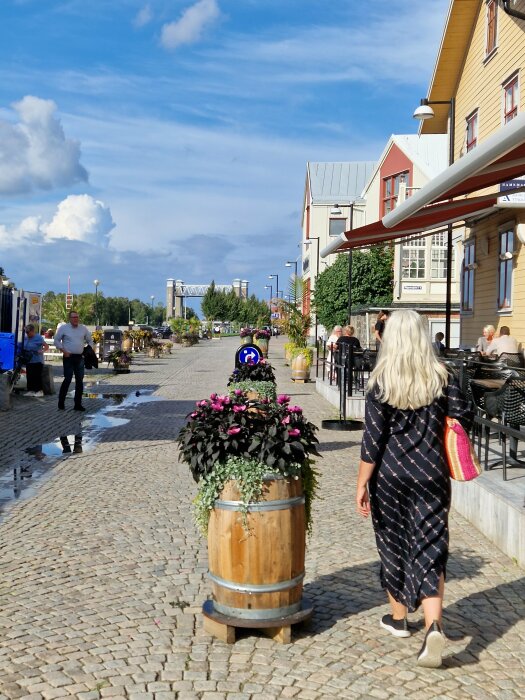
476,78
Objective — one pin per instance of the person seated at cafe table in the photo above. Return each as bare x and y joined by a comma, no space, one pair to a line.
503,343
486,339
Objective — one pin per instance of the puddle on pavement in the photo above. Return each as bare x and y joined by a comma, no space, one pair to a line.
23,481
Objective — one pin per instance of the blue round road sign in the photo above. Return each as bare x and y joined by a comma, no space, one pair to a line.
248,354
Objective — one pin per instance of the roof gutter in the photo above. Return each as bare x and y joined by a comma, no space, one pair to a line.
513,13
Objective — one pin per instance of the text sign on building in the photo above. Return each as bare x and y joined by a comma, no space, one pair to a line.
413,288
509,196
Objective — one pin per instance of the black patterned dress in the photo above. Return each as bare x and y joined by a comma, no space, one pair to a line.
410,491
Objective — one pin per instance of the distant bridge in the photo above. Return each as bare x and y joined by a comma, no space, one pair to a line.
177,291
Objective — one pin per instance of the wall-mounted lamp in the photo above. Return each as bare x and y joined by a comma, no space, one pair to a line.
520,232
472,266
335,210
506,256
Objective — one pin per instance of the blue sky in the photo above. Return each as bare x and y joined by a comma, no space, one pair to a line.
147,140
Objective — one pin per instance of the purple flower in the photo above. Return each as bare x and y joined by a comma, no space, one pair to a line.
285,420
294,409
239,409
216,406
282,399
238,392
234,430
294,432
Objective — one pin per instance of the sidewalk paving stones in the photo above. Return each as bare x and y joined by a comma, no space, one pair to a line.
103,572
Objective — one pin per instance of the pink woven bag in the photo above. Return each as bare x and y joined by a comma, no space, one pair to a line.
462,461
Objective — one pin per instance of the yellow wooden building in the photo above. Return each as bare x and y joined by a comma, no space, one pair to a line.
480,65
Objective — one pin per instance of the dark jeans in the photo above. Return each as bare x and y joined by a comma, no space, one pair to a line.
34,376
74,364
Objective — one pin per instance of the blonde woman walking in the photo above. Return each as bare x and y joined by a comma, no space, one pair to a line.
403,480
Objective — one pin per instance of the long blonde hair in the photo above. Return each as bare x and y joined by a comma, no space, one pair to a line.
407,374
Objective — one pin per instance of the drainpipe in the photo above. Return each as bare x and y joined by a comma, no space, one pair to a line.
511,12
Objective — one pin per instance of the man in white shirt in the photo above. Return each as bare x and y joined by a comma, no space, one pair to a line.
71,339
503,343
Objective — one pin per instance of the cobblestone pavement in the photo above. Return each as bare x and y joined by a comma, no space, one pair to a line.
103,572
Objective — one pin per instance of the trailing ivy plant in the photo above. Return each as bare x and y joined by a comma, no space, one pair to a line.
265,390
249,475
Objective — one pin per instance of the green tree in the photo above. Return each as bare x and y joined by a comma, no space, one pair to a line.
372,277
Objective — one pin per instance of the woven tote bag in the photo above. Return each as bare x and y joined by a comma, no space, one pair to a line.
462,461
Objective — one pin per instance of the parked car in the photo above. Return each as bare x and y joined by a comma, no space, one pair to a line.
162,332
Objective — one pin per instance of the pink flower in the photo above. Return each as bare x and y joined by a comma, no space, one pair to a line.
239,409
217,406
283,398
234,430
202,403
226,400
294,409
285,420
294,432
194,414
238,392
213,396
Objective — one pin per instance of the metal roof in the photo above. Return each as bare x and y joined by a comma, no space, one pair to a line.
429,152
338,183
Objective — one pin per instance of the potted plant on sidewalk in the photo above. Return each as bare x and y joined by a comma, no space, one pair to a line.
253,462
121,361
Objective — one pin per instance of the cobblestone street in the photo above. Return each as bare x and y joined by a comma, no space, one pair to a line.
103,572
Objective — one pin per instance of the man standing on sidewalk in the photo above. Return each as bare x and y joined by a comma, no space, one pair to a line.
71,338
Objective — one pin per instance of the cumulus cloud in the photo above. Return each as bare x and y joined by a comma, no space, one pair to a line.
77,218
192,23
143,17
34,151
81,218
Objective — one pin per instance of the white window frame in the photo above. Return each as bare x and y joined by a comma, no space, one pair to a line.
438,257
513,78
338,233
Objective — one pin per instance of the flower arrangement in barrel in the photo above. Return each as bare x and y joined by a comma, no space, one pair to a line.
235,437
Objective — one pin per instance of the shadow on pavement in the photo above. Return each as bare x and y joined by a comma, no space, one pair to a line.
355,589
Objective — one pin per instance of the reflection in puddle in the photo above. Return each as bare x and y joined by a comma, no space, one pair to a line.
24,480
101,421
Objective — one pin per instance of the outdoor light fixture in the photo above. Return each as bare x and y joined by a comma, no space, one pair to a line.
276,283
424,111
336,209
506,256
96,283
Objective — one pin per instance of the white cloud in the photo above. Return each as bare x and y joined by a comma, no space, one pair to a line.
81,218
77,218
34,152
143,17
189,28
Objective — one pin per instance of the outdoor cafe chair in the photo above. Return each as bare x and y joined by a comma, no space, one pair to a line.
511,359
507,405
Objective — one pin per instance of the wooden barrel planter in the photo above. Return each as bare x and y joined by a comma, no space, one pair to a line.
300,369
247,340
262,344
257,575
127,344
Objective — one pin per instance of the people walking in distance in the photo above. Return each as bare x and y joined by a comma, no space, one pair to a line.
403,480
71,339
486,339
379,328
34,344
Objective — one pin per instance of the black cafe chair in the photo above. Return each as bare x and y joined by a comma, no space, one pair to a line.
508,406
511,359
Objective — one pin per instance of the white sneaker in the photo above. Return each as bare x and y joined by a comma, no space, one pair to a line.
30,393
39,393
431,654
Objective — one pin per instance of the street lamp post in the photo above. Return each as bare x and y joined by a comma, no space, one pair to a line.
423,112
152,297
276,284
96,283
307,243
289,263
270,287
